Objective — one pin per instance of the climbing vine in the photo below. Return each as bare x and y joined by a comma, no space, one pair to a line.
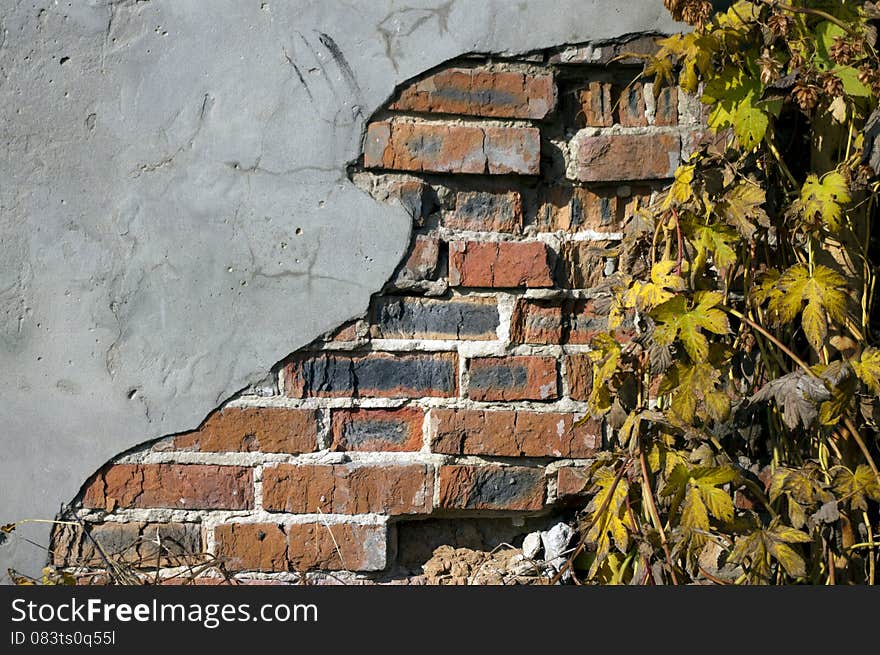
740,372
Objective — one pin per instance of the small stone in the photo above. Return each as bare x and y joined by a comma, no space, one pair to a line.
556,541
532,545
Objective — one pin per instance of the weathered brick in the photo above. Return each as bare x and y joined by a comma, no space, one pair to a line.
485,211
505,264
467,319
252,547
180,486
492,487
584,321
421,262
416,197
512,433
631,110
337,547
582,264
574,209
666,107
536,321
383,375
453,148
377,429
571,481
476,92
512,378
264,429
348,489
579,370
595,107
169,544
620,157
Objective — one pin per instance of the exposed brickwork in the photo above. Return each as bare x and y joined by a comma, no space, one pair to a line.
375,375
504,264
169,544
378,429
461,318
263,429
177,486
475,92
460,392
615,157
516,433
348,489
512,378
571,481
512,488
453,148
485,211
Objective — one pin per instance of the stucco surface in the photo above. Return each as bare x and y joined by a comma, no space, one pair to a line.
175,215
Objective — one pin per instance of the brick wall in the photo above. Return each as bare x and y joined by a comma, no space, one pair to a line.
459,396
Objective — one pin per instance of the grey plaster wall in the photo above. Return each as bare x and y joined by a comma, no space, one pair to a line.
174,212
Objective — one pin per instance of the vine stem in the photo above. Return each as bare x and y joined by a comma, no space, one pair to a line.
655,516
797,360
774,4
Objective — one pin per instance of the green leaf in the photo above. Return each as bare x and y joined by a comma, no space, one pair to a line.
824,293
714,241
675,320
851,83
694,515
824,198
867,368
750,123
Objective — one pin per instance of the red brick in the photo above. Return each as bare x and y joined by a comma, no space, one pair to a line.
505,264
475,92
620,157
512,378
485,211
576,209
511,488
380,375
264,429
301,547
453,148
252,547
169,544
179,486
595,105
631,109
536,321
337,547
579,370
583,263
348,489
422,260
584,322
666,107
512,433
571,481
377,429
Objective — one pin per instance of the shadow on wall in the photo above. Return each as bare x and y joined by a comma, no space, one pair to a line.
451,414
